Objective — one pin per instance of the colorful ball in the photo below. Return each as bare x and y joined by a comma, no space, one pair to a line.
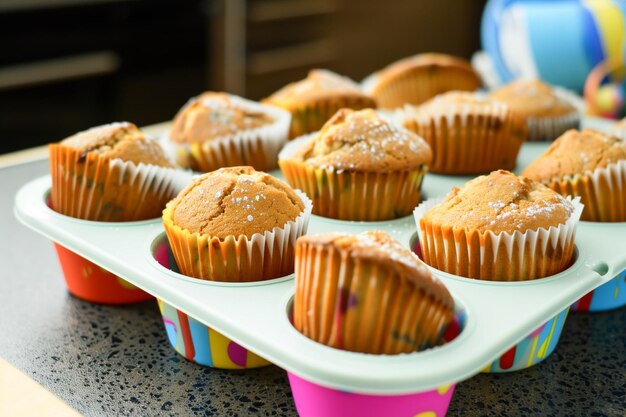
558,41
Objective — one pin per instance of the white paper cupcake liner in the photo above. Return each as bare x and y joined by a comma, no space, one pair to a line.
467,139
165,183
500,257
549,128
602,191
613,174
571,97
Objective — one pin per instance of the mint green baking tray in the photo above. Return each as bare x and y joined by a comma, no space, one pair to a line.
255,315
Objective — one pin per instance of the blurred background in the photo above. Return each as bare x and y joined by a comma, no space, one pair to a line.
67,65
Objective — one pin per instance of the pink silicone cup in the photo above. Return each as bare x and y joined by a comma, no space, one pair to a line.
313,400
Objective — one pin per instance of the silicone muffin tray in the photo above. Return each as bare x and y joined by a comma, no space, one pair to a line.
255,315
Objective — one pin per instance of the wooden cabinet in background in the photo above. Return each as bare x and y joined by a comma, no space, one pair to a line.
265,44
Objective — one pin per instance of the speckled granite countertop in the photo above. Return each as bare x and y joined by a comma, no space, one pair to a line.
112,361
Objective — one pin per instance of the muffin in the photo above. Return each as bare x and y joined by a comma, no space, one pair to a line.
216,130
418,78
588,164
112,173
316,99
367,294
358,158
236,224
499,227
547,113
467,134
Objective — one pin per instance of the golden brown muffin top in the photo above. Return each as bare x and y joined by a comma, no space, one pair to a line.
575,153
364,141
532,98
235,201
121,140
319,84
501,202
456,103
433,61
214,115
380,248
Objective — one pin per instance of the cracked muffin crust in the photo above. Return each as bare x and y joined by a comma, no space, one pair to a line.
318,84
499,227
236,225
215,130
315,99
588,164
546,113
501,202
532,98
364,141
575,153
120,140
235,201
358,157
214,115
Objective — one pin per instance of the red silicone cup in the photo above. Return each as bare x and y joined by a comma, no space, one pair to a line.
90,282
